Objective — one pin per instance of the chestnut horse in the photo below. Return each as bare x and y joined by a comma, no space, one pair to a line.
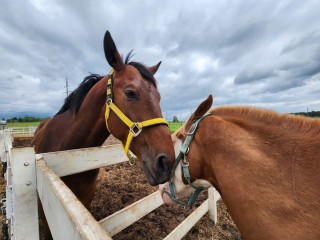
265,165
124,103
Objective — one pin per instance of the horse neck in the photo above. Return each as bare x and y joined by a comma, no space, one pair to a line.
89,123
87,128
260,181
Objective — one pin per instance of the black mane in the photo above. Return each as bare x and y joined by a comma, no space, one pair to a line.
74,100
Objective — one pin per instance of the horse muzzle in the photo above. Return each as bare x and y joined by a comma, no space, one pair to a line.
163,170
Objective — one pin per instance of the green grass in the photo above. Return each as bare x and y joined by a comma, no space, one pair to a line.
22,124
173,126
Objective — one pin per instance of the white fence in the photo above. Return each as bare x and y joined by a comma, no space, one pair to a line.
29,174
22,131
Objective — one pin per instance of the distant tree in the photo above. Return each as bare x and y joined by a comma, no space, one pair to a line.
175,119
309,114
14,119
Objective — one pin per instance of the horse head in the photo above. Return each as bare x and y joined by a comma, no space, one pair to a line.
133,114
180,187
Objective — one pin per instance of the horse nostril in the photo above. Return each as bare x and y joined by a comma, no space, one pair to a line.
162,163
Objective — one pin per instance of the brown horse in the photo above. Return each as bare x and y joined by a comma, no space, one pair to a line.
125,101
265,165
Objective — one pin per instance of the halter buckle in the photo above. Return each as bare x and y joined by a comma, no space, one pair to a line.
135,129
185,163
109,101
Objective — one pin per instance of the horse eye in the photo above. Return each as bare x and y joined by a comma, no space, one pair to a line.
130,94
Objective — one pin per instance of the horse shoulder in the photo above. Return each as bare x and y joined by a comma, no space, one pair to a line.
38,135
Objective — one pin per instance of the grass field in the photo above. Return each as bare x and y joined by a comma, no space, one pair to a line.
22,124
173,126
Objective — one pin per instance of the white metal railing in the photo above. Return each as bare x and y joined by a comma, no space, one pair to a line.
22,131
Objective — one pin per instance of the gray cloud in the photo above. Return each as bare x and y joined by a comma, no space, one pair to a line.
252,76
265,54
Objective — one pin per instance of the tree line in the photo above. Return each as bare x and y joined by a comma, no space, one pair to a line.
309,114
25,119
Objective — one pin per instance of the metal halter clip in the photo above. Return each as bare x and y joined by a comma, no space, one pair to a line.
109,101
135,129
185,163
132,160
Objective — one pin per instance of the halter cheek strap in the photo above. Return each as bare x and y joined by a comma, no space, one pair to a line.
135,128
182,159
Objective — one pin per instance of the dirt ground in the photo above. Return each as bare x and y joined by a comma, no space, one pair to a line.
121,185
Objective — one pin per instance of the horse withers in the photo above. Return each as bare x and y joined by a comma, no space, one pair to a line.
265,165
125,103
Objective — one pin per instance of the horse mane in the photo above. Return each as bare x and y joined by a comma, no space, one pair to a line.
75,99
299,124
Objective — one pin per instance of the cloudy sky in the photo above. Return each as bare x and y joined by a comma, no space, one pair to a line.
261,53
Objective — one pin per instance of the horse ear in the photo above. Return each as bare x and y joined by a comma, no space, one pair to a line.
202,109
112,55
154,68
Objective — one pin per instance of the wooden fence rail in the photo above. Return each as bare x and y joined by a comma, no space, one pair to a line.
31,173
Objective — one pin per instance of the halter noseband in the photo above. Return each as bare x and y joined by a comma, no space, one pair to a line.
182,157
135,128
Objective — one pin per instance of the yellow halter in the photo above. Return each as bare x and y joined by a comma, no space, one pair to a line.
135,128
